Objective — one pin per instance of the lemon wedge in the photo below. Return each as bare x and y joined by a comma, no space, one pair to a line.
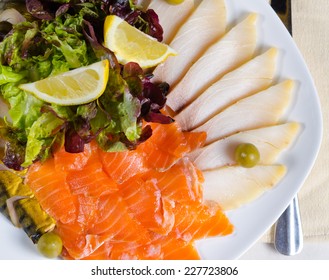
78,86
132,45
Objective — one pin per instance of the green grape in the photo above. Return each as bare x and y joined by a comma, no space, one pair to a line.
50,245
175,2
247,155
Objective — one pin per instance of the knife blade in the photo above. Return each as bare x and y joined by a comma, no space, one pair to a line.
288,237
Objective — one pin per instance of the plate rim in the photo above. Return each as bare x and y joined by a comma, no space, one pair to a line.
201,244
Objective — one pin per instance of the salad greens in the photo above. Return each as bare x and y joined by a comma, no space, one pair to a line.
60,35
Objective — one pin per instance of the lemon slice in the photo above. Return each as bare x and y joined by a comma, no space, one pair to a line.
132,45
78,86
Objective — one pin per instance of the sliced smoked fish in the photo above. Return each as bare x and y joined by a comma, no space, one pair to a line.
91,180
175,249
165,147
239,185
148,206
65,161
208,20
165,11
200,221
50,188
161,247
121,166
78,243
195,140
168,144
101,253
258,110
181,183
229,52
112,220
253,76
270,141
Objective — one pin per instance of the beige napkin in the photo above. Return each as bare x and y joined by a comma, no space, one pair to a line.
311,34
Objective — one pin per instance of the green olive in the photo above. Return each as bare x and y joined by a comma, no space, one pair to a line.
247,155
175,2
50,245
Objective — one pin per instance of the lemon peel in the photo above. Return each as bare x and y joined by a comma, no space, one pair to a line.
78,86
132,45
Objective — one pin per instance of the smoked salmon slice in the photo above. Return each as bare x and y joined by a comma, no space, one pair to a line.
181,183
137,251
85,206
102,253
65,161
200,221
176,249
168,138
113,221
168,144
91,180
164,148
148,206
120,166
161,247
51,190
195,140
77,242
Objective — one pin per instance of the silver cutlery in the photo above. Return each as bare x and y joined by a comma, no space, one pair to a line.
288,238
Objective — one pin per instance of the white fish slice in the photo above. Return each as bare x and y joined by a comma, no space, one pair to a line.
261,109
208,21
165,11
251,77
234,186
228,53
270,141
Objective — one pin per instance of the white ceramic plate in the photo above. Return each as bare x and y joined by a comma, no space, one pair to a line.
253,220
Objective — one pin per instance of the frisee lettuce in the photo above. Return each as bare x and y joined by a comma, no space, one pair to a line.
41,135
